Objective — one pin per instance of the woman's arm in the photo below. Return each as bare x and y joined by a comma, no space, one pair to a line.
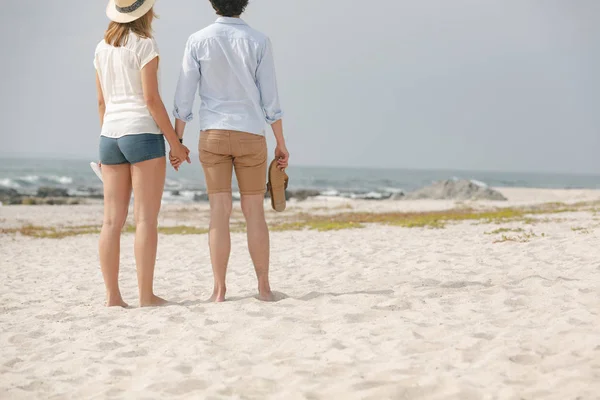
155,103
101,103
159,112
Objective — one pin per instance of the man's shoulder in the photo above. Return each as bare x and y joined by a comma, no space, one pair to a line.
205,33
257,35
220,30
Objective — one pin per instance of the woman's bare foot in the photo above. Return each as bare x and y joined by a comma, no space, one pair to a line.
264,290
218,295
116,302
153,301
266,296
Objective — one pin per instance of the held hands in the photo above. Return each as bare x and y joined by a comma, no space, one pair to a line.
178,154
282,156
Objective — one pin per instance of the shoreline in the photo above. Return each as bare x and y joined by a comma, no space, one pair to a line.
195,216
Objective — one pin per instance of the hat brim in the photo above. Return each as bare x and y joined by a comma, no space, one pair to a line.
114,15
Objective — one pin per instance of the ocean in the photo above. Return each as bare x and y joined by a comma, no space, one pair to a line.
27,175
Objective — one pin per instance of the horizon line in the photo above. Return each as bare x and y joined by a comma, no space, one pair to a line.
19,156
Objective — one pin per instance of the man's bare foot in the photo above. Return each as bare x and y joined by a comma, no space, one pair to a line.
218,296
154,301
116,303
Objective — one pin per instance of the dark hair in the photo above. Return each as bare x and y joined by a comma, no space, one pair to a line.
229,8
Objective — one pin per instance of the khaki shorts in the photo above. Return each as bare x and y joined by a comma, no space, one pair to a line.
221,151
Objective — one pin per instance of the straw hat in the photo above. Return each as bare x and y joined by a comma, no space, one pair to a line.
124,11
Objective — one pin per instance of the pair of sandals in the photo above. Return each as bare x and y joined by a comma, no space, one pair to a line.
278,183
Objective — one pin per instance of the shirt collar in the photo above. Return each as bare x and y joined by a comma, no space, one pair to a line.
231,21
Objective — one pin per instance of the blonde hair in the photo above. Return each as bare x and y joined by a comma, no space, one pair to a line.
117,34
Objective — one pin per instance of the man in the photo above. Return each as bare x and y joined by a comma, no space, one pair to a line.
232,66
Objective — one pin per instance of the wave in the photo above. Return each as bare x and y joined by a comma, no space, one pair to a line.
9,183
29,181
63,180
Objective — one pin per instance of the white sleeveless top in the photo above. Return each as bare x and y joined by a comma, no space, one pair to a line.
120,72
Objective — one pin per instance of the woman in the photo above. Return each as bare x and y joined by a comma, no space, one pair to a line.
132,144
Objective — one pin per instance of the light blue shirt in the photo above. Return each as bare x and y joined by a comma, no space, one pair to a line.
232,66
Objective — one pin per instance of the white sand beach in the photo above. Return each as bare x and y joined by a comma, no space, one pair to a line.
475,310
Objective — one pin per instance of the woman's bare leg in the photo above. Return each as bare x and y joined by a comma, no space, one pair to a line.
148,179
117,194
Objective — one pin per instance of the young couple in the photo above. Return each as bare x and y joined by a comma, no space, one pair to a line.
231,65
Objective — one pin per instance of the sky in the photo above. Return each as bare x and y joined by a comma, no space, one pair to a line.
506,85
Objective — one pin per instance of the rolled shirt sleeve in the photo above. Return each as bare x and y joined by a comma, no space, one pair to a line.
187,85
267,85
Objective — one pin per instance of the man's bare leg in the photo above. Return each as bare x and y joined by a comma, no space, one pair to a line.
258,242
219,241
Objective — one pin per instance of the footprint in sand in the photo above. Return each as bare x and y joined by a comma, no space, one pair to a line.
184,369
400,306
120,373
12,363
37,334
17,339
188,386
524,359
133,353
337,345
355,318
482,335
516,302
176,319
35,386
108,346
114,392
369,385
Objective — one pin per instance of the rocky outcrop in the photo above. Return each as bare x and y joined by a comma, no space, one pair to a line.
300,195
9,196
44,196
52,192
455,190
200,197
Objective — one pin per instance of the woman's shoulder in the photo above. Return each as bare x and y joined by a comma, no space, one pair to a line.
144,43
139,40
101,45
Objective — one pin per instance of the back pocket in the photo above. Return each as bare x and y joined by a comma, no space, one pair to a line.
211,145
253,146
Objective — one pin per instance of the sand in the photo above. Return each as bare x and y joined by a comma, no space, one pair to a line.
376,313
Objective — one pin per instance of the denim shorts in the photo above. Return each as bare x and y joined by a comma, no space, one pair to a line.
131,149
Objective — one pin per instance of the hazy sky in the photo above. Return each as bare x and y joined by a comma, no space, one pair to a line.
471,84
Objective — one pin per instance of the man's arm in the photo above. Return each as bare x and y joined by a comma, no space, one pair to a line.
180,127
281,152
187,86
269,95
